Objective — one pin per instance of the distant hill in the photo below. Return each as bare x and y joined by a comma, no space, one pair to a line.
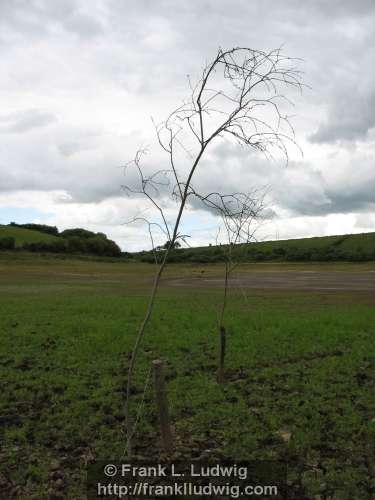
349,247
352,247
43,238
22,235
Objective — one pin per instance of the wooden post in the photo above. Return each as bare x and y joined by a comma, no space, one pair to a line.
162,405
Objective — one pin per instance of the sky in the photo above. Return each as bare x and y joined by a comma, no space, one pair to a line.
80,81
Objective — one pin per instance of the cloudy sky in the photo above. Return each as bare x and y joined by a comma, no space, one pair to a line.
80,80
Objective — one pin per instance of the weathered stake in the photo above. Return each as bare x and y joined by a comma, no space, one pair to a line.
162,405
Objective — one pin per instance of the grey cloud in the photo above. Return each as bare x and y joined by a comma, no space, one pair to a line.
144,55
345,7
353,190
350,117
299,188
17,123
39,165
350,202
350,190
269,213
70,148
83,24
35,18
89,183
307,192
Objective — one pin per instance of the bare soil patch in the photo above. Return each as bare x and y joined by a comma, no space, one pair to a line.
288,280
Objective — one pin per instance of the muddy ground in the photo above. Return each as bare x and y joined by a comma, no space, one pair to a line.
288,280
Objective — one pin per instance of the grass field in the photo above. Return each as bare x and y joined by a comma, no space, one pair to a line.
300,374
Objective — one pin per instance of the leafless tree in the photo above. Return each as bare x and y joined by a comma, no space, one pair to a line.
239,96
241,215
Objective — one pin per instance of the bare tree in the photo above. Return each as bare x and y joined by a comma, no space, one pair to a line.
240,215
238,97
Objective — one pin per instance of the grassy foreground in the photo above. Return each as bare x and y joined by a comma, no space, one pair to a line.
300,377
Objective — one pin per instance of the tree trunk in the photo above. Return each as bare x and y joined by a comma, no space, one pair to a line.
220,372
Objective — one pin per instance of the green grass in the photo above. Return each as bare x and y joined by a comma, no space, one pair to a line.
301,362
22,235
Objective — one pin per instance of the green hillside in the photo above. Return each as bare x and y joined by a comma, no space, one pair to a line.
22,235
353,247
43,238
319,248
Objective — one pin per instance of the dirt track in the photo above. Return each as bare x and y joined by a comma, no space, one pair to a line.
290,280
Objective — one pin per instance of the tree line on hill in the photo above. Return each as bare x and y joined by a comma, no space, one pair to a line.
82,241
41,228
69,241
257,253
